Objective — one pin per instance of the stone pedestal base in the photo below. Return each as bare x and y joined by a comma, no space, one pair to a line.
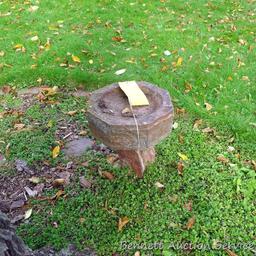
137,159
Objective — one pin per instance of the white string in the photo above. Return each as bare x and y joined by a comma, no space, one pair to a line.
137,126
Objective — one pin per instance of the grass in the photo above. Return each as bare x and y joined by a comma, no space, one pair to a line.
215,40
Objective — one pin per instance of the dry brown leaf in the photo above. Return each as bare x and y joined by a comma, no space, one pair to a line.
112,158
83,133
117,38
188,87
6,89
108,175
76,59
34,180
58,195
19,126
84,182
229,252
55,151
159,185
254,164
208,130
33,8
122,222
223,159
191,222
180,111
188,205
208,106
180,168
58,182
197,123
72,113
19,47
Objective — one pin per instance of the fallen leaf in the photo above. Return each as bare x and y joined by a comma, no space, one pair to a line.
223,159
17,204
208,106
58,195
126,111
84,182
120,72
34,180
245,78
33,8
122,222
188,205
197,123
50,91
230,149
83,133
47,45
34,38
30,192
188,87
229,252
242,42
19,47
180,168
72,113
58,182
108,175
208,130
28,214
111,158
55,151
180,111
19,126
159,185
167,53
183,156
76,59
179,62
6,89
191,222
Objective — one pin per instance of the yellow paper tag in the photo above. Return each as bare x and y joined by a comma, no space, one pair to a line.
135,95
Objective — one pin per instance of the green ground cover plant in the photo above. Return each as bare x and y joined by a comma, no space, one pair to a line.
203,53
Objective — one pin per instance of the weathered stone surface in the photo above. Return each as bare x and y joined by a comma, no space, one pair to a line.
10,243
5,206
121,132
29,91
76,148
137,159
132,133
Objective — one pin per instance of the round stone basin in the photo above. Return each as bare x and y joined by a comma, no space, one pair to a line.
112,121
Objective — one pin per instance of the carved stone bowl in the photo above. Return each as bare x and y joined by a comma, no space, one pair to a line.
123,129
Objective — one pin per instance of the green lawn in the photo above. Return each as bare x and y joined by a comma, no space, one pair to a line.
214,43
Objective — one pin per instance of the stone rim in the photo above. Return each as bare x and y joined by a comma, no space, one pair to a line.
165,109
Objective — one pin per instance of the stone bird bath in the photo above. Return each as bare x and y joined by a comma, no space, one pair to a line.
131,133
